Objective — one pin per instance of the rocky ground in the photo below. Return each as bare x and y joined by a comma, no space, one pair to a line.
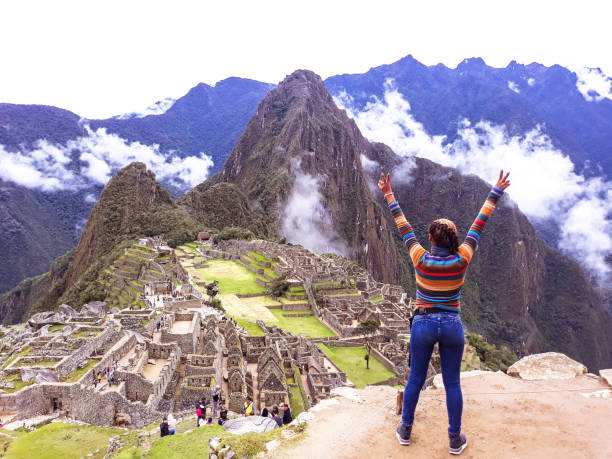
504,417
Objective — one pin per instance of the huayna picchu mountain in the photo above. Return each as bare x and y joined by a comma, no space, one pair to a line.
302,170
519,291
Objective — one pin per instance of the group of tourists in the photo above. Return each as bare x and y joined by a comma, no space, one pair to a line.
281,418
202,406
107,373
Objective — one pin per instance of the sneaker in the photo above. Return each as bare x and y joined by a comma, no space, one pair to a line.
458,443
403,434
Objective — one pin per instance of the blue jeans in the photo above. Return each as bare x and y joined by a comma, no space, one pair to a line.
427,330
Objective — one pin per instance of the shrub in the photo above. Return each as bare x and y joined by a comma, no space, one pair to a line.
492,356
233,232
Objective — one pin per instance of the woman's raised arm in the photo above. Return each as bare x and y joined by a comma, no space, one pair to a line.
405,228
470,244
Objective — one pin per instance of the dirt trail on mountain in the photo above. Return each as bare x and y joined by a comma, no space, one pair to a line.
503,417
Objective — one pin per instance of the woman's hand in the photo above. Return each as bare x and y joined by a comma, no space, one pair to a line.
502,181
385,184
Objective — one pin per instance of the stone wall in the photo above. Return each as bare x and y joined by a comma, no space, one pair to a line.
91,345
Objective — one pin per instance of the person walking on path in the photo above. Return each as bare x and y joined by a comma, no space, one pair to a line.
248,409
215,399
439,274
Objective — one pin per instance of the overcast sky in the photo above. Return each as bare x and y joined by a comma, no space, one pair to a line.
103,58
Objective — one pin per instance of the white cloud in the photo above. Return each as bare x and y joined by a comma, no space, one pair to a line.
100,154
531,81
593,84
158,108
514,87
305,220
544,182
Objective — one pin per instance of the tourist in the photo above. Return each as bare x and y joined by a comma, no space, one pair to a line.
440,273
264,413
222,416
99,378
203,406
209,422
163,428
198,414
171,424
287,418
248,409
215,397
276,416
158,325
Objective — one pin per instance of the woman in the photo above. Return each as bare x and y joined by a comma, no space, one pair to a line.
171,424
439,277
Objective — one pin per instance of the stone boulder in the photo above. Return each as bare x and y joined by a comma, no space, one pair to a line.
44,331
41,319
250,424
606,375
550,365
45,375
96,309
68,311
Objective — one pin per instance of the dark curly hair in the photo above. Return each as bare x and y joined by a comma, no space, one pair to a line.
444,233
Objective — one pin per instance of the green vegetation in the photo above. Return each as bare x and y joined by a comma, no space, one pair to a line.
233,232
295,401
252,328
491,356
17,382
278,287
86,334
61,440
309,325
249,445
54,328
351,361
298,377
79,372
192,445
232,277
26,351
376,298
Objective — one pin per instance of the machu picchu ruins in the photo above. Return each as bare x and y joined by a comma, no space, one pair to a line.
160,345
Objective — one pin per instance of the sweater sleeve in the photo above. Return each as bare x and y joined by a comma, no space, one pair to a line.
405,229
470,244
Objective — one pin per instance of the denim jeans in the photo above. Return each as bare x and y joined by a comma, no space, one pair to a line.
445,329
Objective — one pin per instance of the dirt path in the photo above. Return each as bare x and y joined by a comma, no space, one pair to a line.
503,417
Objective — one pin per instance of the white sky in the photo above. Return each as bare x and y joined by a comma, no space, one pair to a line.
103,58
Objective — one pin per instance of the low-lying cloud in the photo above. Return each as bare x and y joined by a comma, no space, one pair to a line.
158,108
545,184
593,84
305,220
93,159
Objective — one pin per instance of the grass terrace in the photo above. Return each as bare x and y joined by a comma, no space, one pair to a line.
252,328
231,276
309,325
59,440
17,382
78,373
351,361
86,333
376,298
26,351
54,328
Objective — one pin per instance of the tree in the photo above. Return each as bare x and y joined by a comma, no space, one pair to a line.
278,287
368,328
212,289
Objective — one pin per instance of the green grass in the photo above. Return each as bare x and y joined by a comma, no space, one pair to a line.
193,445
232,277
258,257
57,440
54,328
87,333
252,328
295,401
298,288
17,382
26,351
310,325
249,445
376,298
351,361
78,373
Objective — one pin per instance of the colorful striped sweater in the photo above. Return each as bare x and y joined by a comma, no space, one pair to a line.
440,274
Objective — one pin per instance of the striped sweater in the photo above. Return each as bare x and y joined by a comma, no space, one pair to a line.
440,274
